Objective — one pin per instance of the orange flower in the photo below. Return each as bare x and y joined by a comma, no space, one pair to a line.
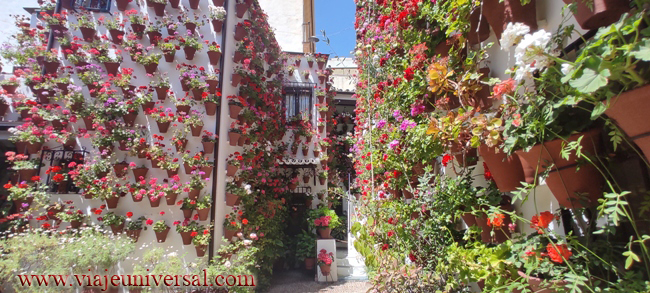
496,221
542,221
558,252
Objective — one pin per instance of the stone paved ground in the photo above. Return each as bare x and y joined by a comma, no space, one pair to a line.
299,282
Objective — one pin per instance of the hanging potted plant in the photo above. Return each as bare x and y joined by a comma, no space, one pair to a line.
201,240
211,102
214,52
203,208
116,222
241,30
163,117
240,8
134,227
185,229
194,4
137,22
25,167
115,27
171,165
75,218
188,206
322,177
149,60
235,105
325,261
23,195
233,224
234,161
217,15
209,140
168,46
310,59
195,121
86,25
121,4
234,133
161,229
153,32
234,194
161,85
159,7
599,13
30,136
179,139
111,63
190,44
500,13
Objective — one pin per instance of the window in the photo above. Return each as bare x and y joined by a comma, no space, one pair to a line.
298,101
92,5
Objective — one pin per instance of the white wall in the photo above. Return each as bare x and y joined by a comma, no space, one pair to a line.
286,19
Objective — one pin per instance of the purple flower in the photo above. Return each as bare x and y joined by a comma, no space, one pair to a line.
381,123
25,205
393,144
406,124
397,115
417,109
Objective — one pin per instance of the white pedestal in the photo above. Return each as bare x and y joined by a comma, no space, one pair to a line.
330,246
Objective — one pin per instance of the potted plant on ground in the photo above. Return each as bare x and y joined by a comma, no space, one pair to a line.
116,222
306,249
161,229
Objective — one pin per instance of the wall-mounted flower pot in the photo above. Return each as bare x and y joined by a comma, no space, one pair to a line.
240,9
231,170
75,224
208,147
138,28
234,111
217,25
501,234
11,89
148,105
190,26
88,33
27,174
229,234
140,172
240,33
155,202
320,64
212,85
232,200
169,56
134,234
154,37
163,126
196,130
238,57
543,286
129,119
207,171
200,250
325,233
310,63
233,137
33,148
151,68
183,109
501,12
203,213
194,4
187,213
51,67
479,29
629,112
210,108
464,158
162,235
218,2
506,170
174,3
236,79
321,79
241,141
197,94
3,109
116,36
566,179
105,151
161,92
117,229
121,4
172,173
159,8
592,15
181,145
214,57
112,202
111,68
120,169
187,237
189,52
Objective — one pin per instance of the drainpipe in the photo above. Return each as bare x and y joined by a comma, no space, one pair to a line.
215,169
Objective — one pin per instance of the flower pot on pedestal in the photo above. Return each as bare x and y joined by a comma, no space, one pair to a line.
325,233
325,269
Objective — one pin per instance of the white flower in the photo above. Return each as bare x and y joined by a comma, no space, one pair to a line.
248,242
513,34
524,71
566,68
533,49
227,264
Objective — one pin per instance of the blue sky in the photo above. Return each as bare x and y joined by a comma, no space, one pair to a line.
336,17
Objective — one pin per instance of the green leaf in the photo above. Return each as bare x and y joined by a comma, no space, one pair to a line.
590,81
599,109
642,50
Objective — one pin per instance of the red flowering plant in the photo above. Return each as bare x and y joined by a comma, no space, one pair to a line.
72,215
27,195
186,226
203,236
234,221
161,114
325,258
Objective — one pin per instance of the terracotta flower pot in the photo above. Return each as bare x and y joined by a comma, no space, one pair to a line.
234,111
566,179
203,214
151,68
196,130
320,64
187,213
170,198
506,170
148,105
117,229
232,199
189,52
310,263
207,170
231,170
190,26
162,235
536,285
469,219
208,147
163,126
218,2
138,28
116,36
161,92
169,56
240,33
229,234
136,198
241,141
325,269
236,79
592,15
51,67
498,14
120,169
180,145
187,237
154,203
187,168
174,3
310,63
325,233
129,119
479,27
210,108
200,250
628,110
23,205
154,38
240,9
27,174
134,234
214,57
75,224
112,202
194,4
217,25
183,108
121,4
88,33
194,193
212,85
112,67
33,148
159,8
140,172
233,137
501,234
464,159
